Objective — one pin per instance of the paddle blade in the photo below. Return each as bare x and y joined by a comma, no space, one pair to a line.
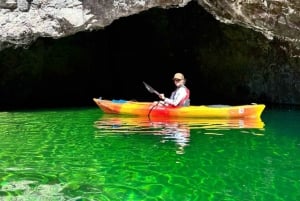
150,89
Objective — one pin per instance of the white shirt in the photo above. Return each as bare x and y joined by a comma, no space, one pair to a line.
176,96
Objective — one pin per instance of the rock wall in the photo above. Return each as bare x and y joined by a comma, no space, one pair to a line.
273,18
224,60
23,21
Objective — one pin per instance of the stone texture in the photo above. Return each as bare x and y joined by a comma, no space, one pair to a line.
8,4
273,18
23,21
60,18
224,63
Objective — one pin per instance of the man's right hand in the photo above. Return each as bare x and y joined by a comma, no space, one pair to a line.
162,96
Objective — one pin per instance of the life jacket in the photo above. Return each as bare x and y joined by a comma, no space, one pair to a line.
186,100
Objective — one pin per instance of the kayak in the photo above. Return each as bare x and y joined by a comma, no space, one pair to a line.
137,108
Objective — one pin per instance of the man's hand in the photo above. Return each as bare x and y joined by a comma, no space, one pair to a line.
162,96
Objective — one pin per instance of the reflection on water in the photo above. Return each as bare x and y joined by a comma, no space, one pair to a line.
176,130
78,155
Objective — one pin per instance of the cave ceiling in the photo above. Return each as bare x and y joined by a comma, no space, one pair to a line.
23,21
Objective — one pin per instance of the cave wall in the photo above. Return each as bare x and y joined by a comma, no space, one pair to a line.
224,64
273,18
23,21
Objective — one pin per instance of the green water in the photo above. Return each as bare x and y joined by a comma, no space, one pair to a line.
81,154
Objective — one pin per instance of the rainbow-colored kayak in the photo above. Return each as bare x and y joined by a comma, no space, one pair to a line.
151,109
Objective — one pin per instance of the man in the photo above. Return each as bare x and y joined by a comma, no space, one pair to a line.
180,96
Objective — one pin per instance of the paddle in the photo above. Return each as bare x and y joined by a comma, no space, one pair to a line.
150,89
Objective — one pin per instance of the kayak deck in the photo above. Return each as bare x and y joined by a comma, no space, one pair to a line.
151,109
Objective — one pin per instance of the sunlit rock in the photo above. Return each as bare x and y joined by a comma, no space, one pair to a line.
279,18
23,21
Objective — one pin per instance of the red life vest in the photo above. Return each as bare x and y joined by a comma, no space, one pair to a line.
186,99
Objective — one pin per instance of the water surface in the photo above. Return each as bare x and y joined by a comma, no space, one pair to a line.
81,154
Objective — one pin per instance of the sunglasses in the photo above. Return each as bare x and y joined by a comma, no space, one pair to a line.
177,80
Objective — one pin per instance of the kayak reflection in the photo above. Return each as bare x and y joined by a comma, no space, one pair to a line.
171,129
137,122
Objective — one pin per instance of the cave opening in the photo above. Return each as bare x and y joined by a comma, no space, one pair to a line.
218,61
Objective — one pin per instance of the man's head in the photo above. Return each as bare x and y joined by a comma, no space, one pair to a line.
179,79
178,76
